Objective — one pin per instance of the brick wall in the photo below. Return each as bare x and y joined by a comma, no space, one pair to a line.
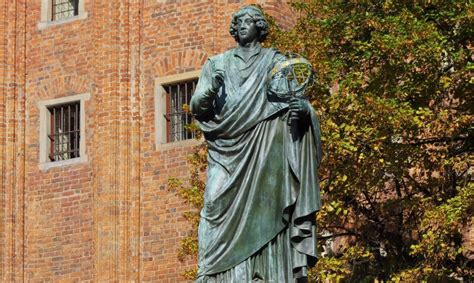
110,218
13,134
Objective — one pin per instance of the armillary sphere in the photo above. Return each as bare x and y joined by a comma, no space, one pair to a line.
291,77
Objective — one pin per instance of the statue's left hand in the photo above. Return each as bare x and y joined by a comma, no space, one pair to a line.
299,109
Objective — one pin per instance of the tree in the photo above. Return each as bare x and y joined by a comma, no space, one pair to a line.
394,94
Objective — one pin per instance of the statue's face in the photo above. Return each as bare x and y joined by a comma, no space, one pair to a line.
247,30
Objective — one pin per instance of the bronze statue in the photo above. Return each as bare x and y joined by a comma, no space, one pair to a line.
262,193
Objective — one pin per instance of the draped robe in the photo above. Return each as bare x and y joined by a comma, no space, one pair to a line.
262,179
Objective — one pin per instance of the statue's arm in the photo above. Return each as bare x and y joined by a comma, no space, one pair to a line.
202,101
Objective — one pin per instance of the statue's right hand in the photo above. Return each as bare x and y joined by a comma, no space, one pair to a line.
217,80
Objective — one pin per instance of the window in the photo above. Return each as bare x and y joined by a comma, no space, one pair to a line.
65,131
63,9
62,131
171,119
57,12
176,117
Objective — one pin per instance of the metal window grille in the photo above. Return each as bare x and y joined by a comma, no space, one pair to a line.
65,131
176,117
63,9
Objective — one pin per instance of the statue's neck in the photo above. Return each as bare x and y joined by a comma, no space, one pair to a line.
247,50
249,45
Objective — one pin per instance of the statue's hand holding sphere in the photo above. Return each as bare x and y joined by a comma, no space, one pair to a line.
299,109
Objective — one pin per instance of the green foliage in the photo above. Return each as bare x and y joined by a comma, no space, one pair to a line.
393,91
336,269
440,238
192,191
394,94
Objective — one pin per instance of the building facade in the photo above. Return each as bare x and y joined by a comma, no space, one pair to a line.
90,133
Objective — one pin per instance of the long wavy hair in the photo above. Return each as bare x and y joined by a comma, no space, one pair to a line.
257,16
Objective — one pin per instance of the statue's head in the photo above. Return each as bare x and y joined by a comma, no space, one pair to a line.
256,15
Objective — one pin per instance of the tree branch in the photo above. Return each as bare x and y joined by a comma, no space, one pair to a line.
337,235
435,140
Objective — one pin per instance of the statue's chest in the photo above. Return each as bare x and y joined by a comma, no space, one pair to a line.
244,69
239,73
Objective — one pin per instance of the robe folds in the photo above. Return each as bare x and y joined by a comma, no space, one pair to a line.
262,188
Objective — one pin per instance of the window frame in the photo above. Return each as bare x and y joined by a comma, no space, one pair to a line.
69,139
54,5
46,19
45,129
162,104
176,117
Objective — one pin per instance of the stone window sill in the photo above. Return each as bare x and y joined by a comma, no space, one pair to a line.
63,163
47,24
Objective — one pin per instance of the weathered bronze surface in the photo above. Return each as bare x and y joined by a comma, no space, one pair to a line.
258,220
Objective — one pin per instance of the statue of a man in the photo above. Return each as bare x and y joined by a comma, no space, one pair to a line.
262,192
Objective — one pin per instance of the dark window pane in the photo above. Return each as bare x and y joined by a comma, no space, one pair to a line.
63,9
177,118
64,133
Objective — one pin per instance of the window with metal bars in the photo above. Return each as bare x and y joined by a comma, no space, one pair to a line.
63,9
177,118
64,133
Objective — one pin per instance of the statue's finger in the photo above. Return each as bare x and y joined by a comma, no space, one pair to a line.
294,107
291,119
293,103
220,72
294,115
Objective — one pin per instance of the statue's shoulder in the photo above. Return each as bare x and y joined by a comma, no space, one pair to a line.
273,53
277,54
216,58
218,61
221,57
272,50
